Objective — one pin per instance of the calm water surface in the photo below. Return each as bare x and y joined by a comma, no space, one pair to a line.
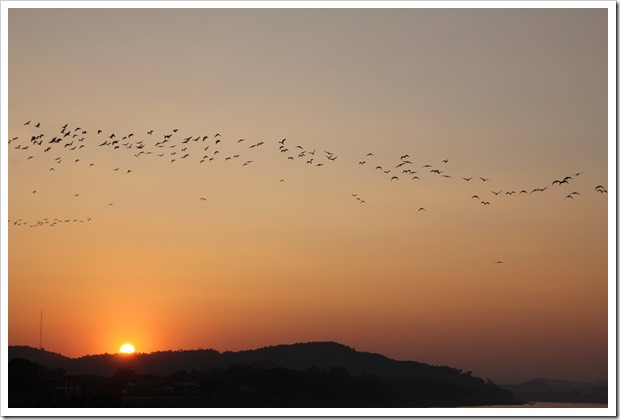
549,405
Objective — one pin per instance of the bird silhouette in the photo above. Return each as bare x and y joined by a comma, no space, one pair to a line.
538,189
600,188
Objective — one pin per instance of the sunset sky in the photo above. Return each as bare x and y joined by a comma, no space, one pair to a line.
121,245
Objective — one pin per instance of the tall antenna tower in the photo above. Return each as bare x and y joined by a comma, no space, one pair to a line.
41,332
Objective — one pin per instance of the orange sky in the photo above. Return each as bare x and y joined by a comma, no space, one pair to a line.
515,95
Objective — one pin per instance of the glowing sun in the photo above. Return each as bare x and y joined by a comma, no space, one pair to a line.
127,349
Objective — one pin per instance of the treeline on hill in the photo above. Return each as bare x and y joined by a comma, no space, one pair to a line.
241,385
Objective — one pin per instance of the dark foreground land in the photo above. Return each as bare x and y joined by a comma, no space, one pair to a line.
560,391
300,375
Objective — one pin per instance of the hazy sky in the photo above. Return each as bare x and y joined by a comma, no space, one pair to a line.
217,254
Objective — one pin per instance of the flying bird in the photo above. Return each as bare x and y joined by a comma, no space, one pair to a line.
601,189
538,189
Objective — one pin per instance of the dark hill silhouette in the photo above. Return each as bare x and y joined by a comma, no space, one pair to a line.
303,374
544,389
43,357
323,355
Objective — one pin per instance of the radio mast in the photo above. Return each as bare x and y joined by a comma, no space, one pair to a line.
41,332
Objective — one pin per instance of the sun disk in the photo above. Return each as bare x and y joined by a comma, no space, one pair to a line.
127,348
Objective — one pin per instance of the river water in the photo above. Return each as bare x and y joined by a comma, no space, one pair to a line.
540,404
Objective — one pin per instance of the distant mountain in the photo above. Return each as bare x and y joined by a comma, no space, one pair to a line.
43,357
323,355
269,376
558,390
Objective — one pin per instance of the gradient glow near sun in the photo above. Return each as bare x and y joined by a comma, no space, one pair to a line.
127,349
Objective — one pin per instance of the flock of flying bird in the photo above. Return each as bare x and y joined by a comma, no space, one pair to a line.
68,144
